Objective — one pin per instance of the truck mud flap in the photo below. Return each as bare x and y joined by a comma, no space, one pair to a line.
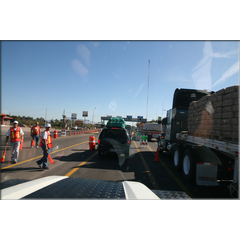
206,174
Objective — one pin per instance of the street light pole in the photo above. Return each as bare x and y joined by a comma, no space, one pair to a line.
93,117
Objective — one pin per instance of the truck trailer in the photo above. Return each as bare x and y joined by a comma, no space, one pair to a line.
151,130
202,135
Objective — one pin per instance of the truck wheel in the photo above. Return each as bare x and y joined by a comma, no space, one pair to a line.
177,158
188,165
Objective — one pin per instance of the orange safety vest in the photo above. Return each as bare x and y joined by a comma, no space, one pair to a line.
15,135
36,130
49,140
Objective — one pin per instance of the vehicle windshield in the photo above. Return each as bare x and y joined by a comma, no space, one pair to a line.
110,102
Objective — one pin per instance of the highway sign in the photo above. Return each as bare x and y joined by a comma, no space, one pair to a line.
63,133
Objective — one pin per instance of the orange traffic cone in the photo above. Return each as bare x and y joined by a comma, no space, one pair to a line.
74,133
156,158
77,132
3,157
50,159
33,143
70,133
21,144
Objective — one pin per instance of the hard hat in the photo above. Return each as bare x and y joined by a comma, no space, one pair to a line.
15,122
48,125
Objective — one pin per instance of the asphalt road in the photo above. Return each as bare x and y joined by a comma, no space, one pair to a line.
74,159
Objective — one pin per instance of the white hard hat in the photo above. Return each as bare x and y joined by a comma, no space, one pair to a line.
15,122
48,125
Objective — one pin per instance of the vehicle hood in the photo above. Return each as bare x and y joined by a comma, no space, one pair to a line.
63,187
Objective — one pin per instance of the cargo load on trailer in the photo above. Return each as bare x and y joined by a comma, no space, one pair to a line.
116,122
215,116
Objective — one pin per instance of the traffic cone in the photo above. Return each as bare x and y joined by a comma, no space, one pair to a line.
3,157
74,133
70,133
156,158
77,132
21,144
33,143
50,159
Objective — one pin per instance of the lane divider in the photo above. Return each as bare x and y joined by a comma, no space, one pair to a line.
81,164
41,156
154,183
174,177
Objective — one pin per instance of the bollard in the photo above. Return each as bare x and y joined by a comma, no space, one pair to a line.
55,134
92,143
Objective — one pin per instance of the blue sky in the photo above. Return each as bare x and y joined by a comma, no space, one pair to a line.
112,76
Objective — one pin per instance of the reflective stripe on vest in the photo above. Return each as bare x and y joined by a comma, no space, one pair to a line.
15,135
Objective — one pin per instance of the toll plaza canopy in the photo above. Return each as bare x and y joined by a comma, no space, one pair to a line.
143,120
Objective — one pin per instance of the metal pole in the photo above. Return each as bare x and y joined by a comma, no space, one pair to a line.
148,86
93,117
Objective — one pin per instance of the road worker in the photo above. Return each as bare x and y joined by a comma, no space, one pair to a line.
35,133
16,133
46,144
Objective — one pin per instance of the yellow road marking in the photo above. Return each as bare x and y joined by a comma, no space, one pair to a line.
175,178
81,164
40,156
155,186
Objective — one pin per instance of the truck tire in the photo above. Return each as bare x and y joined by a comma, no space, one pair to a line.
177,158
188,165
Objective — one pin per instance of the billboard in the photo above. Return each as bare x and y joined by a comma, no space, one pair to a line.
74,116
85,114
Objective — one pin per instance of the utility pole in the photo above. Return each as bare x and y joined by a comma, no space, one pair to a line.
93,117
148,86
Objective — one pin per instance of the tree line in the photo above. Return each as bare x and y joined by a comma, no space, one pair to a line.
30,121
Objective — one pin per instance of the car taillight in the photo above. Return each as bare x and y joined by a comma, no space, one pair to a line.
162,137
127,142
98,141
114,128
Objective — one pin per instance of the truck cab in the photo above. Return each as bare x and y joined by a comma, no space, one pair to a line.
177,116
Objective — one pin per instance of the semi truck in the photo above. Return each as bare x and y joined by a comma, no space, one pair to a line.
151,130
202,136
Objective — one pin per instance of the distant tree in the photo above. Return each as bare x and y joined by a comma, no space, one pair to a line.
164,121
